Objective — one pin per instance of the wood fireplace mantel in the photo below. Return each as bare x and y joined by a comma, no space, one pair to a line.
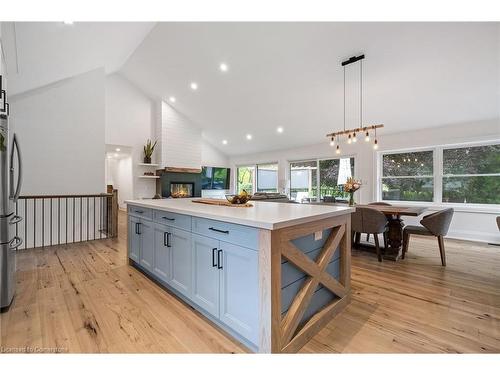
178,170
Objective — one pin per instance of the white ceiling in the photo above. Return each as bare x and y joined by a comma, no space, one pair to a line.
50,51
416,75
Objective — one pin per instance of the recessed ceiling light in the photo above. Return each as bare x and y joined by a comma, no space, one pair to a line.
68,22
194,86
223,67
224,141
116,155
249,136
172,99
117,150
280,129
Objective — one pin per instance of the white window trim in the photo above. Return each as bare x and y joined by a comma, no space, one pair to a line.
438,175
317,160
255,178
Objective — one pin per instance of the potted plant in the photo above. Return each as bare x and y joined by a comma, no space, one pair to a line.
148,151
350,187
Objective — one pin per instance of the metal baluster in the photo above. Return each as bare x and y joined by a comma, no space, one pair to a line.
94,217
34,222
87,218
74,219
100,217
43,222
58,221
81,206
26,222
66,217
51,214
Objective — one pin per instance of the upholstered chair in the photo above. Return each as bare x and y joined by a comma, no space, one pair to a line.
369,220
436,224
378,204
498,222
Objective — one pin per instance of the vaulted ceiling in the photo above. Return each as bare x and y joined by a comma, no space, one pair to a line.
40,53
416,75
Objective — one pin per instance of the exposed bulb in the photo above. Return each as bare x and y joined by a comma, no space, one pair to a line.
332,142
367,137
375,145
354,139
337,151
349,139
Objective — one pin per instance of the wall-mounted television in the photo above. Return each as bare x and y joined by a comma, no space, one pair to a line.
214,178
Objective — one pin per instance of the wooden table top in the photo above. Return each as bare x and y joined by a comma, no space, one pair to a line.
397,210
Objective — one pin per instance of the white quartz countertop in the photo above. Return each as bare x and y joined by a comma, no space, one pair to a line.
265,215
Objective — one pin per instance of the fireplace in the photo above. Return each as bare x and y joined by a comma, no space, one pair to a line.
181,189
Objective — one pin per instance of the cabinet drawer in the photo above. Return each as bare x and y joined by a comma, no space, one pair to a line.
146,213
232,233
172,219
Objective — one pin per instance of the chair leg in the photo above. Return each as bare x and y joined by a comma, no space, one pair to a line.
357,238
385,240
406,241
441,250
377,247
368,237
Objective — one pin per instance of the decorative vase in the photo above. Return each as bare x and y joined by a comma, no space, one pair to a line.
147,160
351,198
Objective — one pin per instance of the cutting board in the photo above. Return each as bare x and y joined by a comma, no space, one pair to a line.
220,202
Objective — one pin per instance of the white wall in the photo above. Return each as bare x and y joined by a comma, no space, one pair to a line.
180,140
212,157
130,121
466,224
61,135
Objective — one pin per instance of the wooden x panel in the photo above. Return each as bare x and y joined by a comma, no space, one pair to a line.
317,274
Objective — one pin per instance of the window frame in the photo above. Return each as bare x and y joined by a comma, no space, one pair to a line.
318,174
438,176
255,175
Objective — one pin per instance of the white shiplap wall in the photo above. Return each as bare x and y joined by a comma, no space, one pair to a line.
180,141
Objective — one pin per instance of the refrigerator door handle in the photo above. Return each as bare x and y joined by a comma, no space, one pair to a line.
15,194
15,219
17,242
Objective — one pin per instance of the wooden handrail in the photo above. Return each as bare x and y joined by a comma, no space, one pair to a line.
65,196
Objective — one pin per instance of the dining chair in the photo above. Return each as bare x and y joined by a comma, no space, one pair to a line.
435,224
498,222
372,221
378,204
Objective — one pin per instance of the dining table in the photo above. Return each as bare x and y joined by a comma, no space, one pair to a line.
395,224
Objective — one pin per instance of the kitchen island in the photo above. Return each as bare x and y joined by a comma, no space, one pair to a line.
271,275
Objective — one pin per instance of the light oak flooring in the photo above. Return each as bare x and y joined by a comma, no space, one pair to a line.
85,298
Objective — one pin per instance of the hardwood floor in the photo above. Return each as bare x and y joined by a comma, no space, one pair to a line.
85,298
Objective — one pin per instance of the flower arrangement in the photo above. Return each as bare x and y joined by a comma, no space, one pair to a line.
350,187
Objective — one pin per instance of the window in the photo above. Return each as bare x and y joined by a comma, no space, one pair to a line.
466,174
267,178
245,178
471,175
333,174
408,176
303,180
306,184
259,177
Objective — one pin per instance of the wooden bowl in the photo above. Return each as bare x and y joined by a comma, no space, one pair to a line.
237,199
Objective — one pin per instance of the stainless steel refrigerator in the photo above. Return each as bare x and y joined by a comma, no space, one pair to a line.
10,188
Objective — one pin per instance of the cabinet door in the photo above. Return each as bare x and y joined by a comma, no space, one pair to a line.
161,261
147,244
134,239
206,273
239,297
181,264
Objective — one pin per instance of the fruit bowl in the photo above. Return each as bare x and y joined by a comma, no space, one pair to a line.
238,198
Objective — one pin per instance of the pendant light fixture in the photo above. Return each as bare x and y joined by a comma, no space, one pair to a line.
352,133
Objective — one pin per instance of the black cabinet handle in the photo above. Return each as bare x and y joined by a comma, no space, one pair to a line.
139,212
214,261
168,218
219,230
165,238
169,235
138,228
219,260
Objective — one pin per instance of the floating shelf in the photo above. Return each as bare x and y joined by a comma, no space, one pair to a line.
148,165
149,176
